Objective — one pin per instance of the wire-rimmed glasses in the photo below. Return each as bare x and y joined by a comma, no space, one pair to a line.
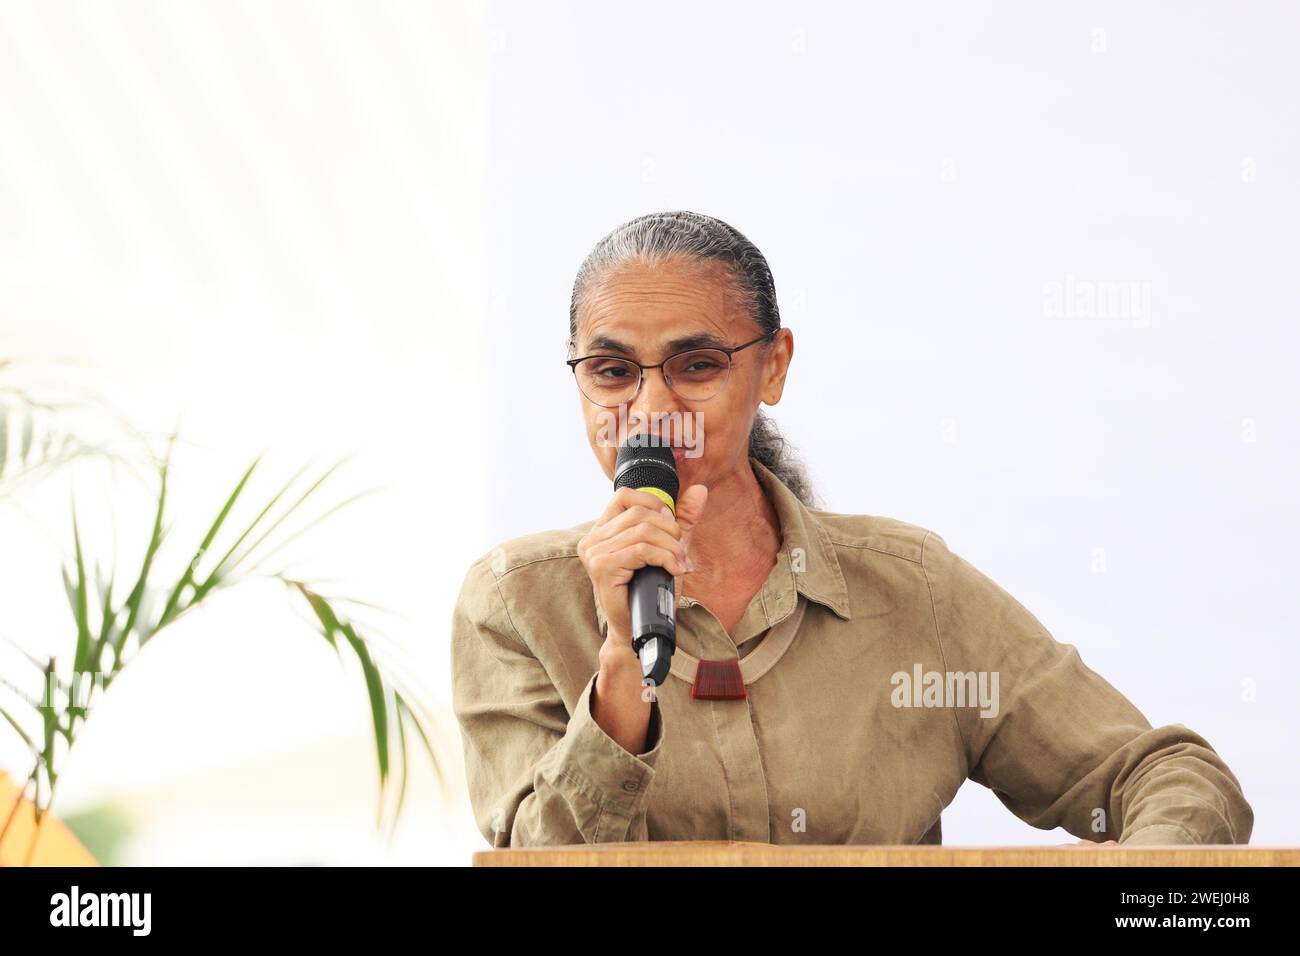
695,374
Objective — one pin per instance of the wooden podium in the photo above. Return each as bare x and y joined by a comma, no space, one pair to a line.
734,853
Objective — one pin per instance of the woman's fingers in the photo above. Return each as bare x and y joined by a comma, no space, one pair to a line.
659,517
647,534
614,569
635,530
626,498
644,553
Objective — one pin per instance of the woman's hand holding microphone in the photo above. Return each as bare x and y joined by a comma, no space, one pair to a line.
636,530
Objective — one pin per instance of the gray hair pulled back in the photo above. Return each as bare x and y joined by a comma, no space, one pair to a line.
654,237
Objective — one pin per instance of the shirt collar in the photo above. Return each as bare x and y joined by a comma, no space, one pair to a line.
806,564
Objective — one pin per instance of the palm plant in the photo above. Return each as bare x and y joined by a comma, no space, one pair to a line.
114,616
38,437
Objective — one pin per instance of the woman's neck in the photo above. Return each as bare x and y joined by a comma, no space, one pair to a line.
739,534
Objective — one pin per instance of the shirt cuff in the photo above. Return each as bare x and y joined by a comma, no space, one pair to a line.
596,762
1159,834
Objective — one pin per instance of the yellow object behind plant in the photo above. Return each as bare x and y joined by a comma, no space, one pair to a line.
56,845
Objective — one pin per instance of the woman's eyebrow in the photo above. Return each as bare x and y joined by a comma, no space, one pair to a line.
698,340
603,343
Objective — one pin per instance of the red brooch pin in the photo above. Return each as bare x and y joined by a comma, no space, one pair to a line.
718,680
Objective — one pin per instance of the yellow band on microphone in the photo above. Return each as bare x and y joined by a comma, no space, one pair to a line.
665,496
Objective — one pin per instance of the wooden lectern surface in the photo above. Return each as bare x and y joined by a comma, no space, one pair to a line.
738,853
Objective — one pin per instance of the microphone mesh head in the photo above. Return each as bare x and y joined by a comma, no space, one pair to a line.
642,464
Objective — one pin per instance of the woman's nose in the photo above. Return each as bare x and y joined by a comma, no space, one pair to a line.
654,394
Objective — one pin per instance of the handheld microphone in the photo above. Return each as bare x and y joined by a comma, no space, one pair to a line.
651,596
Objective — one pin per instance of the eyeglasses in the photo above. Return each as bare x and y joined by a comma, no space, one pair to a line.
695,375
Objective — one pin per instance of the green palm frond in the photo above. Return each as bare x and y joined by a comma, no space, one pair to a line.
40,434
111,627
393,707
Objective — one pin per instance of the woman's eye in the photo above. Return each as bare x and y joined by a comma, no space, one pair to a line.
702,365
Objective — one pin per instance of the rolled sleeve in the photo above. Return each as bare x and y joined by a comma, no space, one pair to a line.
1066,748
596,763
537,774
1159,834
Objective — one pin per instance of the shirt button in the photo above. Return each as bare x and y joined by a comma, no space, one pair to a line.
631,786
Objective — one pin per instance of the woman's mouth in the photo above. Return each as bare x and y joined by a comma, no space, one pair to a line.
678,454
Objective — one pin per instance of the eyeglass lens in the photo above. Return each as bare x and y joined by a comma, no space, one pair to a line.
694,376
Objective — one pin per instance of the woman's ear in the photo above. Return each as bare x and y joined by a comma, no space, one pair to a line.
778,363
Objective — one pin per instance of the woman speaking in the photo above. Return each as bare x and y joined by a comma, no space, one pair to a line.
837,677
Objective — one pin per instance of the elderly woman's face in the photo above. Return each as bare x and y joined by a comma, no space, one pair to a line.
648,313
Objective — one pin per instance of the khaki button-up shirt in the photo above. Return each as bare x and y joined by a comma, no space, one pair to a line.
910,672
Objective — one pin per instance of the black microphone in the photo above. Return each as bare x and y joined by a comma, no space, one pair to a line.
647,466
